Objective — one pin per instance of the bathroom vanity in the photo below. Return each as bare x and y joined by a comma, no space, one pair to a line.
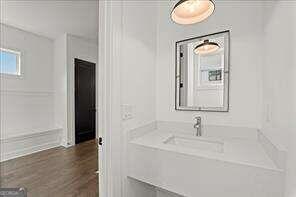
227,159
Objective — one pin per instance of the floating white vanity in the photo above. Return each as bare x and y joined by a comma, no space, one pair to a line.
224,162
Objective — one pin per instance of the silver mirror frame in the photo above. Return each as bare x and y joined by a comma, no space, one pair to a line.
226,73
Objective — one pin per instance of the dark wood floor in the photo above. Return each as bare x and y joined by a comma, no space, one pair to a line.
57,172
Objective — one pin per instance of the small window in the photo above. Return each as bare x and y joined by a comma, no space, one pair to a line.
10,62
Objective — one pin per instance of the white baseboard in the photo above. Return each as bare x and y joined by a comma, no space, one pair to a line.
18,146
66,144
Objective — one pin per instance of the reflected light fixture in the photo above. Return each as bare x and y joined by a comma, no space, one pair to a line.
206,47
188,12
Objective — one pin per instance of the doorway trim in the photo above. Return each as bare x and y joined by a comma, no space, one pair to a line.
110,128
69,138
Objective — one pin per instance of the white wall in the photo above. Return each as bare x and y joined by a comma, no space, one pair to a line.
244,20
138,61
291,161
87,50
138,73
279,89
27,101
60,85
277,80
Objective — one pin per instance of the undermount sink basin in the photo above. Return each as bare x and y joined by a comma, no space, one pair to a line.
196,143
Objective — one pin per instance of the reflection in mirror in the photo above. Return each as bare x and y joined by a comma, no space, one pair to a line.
202,73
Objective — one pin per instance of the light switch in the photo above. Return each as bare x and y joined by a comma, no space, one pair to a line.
127,112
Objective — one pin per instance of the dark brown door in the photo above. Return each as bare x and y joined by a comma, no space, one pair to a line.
85,101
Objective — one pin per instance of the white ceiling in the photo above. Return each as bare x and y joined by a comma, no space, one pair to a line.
52,18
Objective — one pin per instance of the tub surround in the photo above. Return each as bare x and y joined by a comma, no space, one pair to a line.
242,166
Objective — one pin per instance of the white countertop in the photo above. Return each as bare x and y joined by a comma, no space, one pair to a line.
236,150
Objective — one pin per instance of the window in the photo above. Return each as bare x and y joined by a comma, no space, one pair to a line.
215,75
10,62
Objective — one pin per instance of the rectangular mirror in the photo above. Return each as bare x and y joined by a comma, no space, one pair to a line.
202,73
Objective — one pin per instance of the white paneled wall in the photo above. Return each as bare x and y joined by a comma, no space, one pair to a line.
27,101
25,112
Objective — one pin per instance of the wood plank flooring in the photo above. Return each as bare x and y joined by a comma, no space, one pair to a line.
57,172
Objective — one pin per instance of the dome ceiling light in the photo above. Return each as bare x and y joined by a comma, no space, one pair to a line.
188,12
206,47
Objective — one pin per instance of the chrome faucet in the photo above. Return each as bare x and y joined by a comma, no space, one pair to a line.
197,126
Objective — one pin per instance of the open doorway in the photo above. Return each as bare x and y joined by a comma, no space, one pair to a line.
39,111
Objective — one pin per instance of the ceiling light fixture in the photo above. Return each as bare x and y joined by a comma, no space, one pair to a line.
188,12
206,47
